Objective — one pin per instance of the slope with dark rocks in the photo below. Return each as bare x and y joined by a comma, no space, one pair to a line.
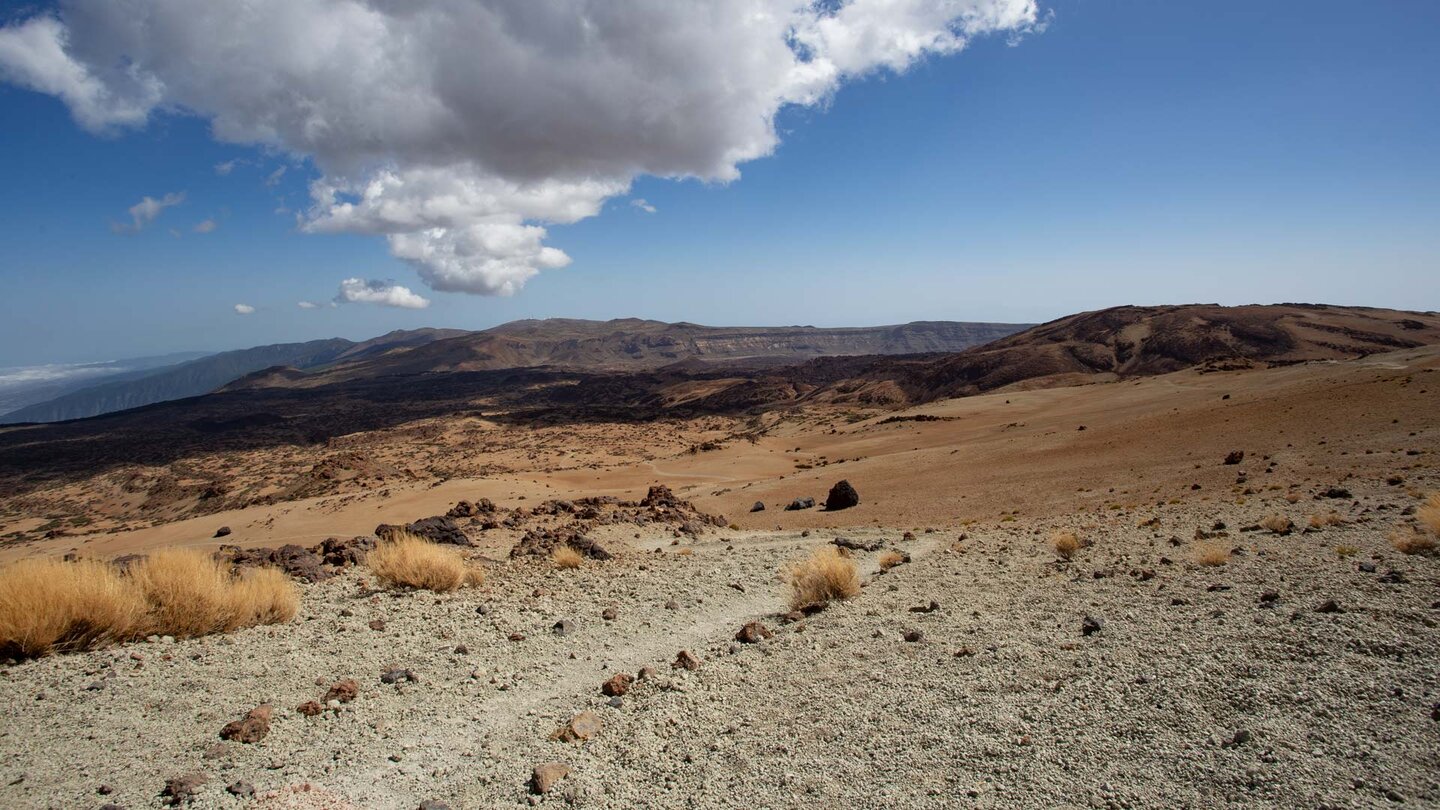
1125,342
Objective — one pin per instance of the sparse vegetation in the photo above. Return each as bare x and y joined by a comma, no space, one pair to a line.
1211,554
188,592
1346,551
49,604
1319,521
264,596
1277,524
414,562
1429,514
1410,540
890,559
825,577
1066,544
565,557
52,605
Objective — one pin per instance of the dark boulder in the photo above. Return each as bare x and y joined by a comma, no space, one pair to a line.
437,529
842,496
800,503
660,495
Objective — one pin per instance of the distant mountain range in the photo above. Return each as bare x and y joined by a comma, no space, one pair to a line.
636,366
209,372
634,344
626,344
643,370
27,385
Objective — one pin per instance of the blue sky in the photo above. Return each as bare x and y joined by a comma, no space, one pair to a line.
1131,152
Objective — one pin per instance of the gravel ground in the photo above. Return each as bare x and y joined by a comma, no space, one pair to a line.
1194,692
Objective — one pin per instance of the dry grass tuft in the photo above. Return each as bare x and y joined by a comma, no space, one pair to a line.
566,557
1066,544
1278,524
414,562
890,559
474,576
1344,551
1211,554
189,593
1429,514
52,605
823,578
49,604
264,596
685,552
1409,540
1319,521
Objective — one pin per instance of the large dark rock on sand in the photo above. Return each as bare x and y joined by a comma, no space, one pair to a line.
436,529
842,496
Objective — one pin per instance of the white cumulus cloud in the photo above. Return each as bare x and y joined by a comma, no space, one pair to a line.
244,309
384,293
461,131
643,205
205,226
144,212
308,305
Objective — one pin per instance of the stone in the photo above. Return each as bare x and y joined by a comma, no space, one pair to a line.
1269,597
377,624
1329,606
250,729
434,804
1336,492
344,690
310,708
1235,457
913,636
930,608
753,633
222,531
545,775
858,545
244,790
800,503
842,496
182,789
397,675
581,727
759,506
437,529
686,660
1091,625
618,684
564,627
609,614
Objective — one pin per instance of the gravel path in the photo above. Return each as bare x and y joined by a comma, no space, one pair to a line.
1195,691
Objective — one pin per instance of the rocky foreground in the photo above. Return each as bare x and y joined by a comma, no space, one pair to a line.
1299,672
